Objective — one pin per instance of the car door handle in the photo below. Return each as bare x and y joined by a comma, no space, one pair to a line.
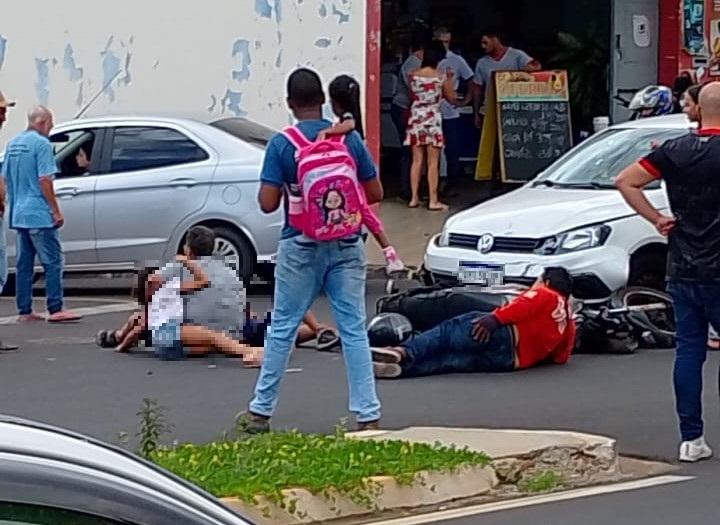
67,192
183,183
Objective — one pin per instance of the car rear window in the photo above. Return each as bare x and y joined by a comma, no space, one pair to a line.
142,148
246,130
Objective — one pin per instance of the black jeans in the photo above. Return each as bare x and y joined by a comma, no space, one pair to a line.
451,133
399,118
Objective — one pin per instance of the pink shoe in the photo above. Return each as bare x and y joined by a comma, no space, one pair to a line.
30,318
394,264
64,316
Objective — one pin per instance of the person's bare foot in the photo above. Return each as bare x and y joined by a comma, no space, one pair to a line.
30,318
64,316
252,358
415,203
438,206
305,334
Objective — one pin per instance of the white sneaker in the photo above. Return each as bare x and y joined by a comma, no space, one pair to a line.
696,450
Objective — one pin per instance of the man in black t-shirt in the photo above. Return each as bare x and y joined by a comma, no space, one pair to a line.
690,166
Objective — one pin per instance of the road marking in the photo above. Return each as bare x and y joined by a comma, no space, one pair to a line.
40,300
85,312
487,508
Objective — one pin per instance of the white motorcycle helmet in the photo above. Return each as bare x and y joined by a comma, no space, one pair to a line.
652,101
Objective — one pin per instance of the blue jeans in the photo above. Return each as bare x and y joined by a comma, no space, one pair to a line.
304,268
449,348
3,255
167,341
696,307
45,243
451,132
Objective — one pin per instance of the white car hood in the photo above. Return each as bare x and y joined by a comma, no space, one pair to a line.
542,212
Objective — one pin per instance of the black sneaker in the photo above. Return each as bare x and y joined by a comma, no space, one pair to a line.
327,341
368,425
251,424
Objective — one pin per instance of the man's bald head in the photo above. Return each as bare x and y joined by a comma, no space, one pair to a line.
40,119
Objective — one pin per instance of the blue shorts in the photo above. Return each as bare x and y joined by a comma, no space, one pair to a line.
167,342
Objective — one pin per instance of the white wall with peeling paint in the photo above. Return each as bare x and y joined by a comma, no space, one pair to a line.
203,58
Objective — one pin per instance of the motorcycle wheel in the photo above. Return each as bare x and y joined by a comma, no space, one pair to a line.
659,322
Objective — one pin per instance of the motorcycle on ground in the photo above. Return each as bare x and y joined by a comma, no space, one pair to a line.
630,319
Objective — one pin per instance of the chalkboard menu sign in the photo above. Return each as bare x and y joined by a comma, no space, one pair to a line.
533,119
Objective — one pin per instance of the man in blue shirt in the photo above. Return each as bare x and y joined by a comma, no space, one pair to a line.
305,267
28,171
4,105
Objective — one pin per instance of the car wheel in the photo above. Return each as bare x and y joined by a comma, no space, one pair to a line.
237,252
648,271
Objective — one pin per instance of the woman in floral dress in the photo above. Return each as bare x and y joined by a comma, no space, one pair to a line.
424,133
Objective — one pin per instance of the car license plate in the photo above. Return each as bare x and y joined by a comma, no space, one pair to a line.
481,274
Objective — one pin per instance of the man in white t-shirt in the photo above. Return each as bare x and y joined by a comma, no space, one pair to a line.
450,114
499,57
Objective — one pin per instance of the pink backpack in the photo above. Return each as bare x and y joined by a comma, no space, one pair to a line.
328,201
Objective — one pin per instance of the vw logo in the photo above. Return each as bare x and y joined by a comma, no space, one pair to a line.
485,243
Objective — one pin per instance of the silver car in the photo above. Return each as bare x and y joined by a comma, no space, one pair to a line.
131,187
53,476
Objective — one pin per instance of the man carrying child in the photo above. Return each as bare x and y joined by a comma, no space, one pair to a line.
305,267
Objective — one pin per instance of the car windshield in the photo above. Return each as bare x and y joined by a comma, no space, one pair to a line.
599,160
246,130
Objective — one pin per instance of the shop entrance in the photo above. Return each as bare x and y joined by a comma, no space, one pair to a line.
531,26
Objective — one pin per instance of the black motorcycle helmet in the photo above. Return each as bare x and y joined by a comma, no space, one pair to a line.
389,330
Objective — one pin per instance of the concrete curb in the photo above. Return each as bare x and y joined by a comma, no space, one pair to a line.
430,488
510,451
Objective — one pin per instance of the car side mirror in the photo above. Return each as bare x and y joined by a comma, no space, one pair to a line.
59,138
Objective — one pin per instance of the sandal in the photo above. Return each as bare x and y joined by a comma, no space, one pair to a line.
106,339
327,340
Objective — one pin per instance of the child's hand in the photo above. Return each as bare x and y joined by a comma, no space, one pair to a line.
322,136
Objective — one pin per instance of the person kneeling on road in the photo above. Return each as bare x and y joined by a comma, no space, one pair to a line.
537,327
174,339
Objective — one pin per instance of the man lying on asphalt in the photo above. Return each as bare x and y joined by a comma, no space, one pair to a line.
537,327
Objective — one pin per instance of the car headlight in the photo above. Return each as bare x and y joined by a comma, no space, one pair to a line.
576,240
443,241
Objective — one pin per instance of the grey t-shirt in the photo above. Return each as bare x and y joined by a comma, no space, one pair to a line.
512,60
461,71
220,306
402,93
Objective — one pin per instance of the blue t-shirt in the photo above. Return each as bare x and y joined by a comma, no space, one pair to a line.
28,157
280,167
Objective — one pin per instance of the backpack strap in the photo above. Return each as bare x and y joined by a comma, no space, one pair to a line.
296,138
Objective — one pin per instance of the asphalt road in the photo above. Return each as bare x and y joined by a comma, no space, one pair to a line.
62,378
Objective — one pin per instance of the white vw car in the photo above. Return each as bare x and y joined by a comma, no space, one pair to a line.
570,215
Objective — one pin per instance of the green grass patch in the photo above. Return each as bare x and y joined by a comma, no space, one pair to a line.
546,481
266,464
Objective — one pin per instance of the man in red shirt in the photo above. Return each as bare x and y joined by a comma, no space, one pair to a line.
536,327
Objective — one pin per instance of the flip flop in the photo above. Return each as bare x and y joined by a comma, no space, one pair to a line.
64,316
327,340
8,347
